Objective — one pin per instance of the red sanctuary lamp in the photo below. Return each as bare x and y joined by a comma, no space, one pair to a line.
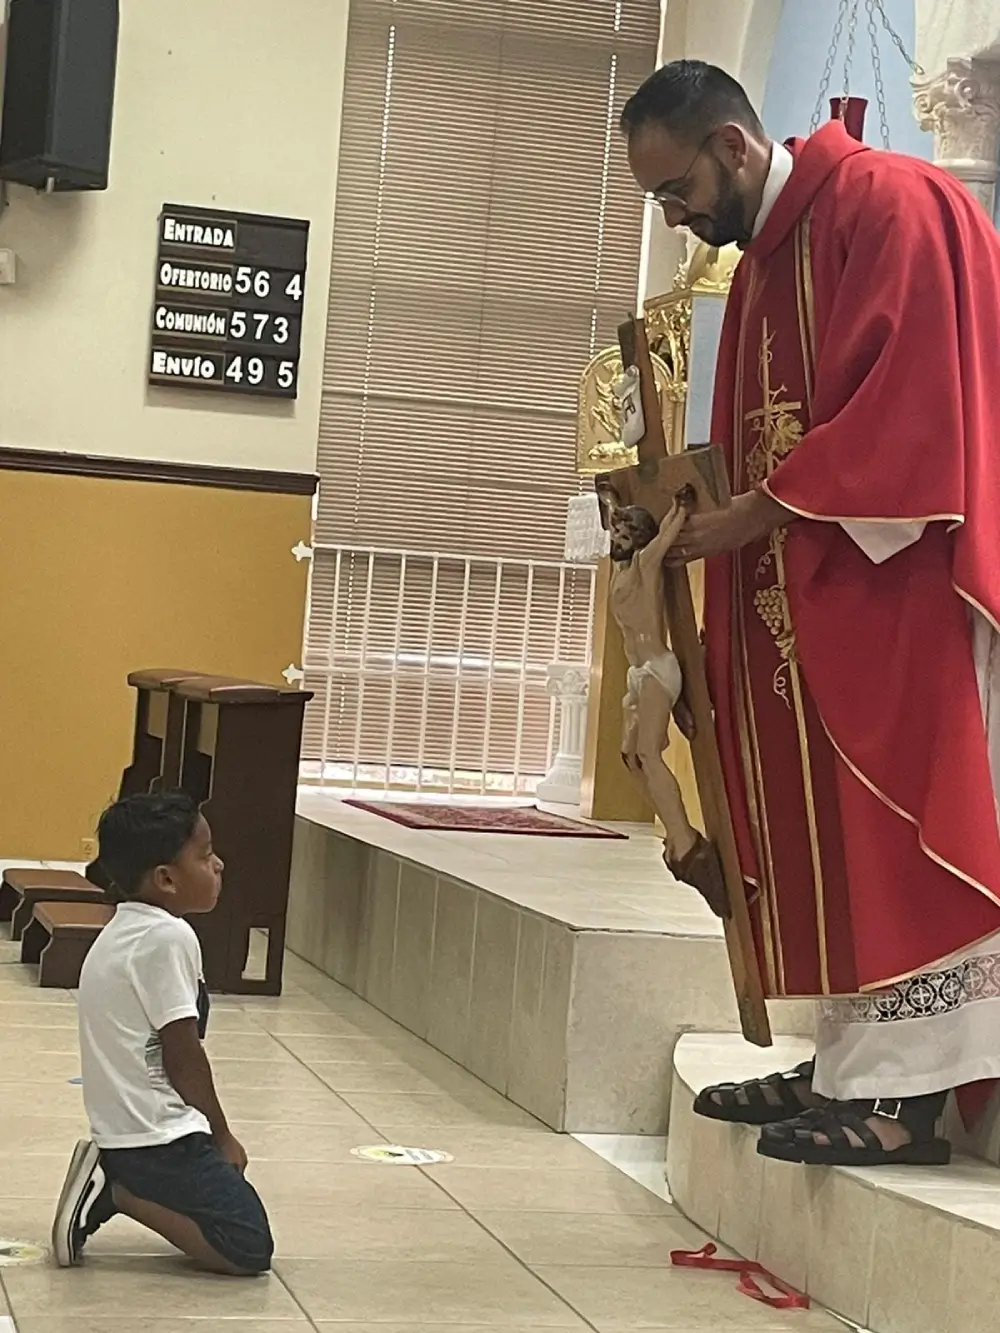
851,110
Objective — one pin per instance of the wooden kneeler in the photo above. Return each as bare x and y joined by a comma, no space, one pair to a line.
22,889
58,939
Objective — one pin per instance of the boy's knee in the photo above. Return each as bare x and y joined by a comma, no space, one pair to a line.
262,1254
252,1250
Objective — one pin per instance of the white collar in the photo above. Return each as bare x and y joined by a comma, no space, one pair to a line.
134,905
778,173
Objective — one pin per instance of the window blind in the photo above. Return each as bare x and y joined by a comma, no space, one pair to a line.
486,243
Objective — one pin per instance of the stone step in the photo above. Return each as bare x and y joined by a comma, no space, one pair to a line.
894,1250
559,971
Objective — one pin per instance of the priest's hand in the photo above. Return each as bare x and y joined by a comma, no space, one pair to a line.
749,519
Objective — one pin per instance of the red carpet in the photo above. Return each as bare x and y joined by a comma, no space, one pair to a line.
484,819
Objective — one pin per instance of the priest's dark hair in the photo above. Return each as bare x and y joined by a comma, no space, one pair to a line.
691,99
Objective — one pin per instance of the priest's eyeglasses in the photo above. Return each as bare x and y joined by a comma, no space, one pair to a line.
673,194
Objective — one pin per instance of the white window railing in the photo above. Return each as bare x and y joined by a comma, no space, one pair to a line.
429,669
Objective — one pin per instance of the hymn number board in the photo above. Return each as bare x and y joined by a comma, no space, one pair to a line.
227,313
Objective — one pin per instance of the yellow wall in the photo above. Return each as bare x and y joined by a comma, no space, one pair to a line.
99,577
227,102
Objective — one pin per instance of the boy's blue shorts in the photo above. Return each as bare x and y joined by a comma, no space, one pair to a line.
191,1177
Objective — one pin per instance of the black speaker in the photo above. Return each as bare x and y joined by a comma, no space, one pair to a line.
59,93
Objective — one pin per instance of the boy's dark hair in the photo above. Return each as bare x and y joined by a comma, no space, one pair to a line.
690,98
138,834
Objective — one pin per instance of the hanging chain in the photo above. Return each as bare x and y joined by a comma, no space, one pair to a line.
852,36
877,7
847,15
919,70
883,113
831,57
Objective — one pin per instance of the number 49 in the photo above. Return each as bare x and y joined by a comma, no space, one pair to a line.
254,370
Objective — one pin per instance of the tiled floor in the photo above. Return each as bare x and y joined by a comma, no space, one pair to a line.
641,1156
524,1231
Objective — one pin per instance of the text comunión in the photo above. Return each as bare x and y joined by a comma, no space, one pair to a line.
208,323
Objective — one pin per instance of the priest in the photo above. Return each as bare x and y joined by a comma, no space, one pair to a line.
852,605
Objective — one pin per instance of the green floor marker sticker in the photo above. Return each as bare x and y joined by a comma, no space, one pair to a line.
391,1154
20,1252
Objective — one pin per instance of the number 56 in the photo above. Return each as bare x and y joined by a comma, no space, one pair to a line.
247,280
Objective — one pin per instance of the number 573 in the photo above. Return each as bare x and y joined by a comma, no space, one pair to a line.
265,327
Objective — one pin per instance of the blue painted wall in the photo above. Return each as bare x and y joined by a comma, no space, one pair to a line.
800,50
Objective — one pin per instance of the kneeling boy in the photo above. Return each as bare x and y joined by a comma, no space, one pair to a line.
161,1152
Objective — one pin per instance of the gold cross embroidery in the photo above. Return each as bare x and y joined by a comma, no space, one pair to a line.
776,427
778,431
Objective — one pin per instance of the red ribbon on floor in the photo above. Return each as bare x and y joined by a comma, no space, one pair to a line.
788,1299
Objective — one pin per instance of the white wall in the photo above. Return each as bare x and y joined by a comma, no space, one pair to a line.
739,36
736,36
965,28
227,102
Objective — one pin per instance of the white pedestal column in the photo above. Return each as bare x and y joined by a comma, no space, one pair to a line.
962,108
567,683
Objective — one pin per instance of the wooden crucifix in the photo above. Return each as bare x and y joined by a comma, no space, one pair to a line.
696,479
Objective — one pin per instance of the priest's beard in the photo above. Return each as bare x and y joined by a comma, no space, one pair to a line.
727,221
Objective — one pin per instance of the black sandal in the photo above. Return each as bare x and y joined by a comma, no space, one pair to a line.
755,1108
796,1140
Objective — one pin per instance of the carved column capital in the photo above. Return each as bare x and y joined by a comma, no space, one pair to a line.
565,680
962,108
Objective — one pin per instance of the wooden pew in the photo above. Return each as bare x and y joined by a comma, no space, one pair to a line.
240,761
158,733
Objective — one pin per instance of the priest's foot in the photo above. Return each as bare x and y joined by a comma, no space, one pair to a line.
884,1132
762,1101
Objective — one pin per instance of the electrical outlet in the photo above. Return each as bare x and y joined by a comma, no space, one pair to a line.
88,848
8,268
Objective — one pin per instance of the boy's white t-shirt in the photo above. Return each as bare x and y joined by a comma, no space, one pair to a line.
141,974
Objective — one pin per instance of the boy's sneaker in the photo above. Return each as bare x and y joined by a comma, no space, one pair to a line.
84,1204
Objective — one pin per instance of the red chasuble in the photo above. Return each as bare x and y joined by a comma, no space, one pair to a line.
859,380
